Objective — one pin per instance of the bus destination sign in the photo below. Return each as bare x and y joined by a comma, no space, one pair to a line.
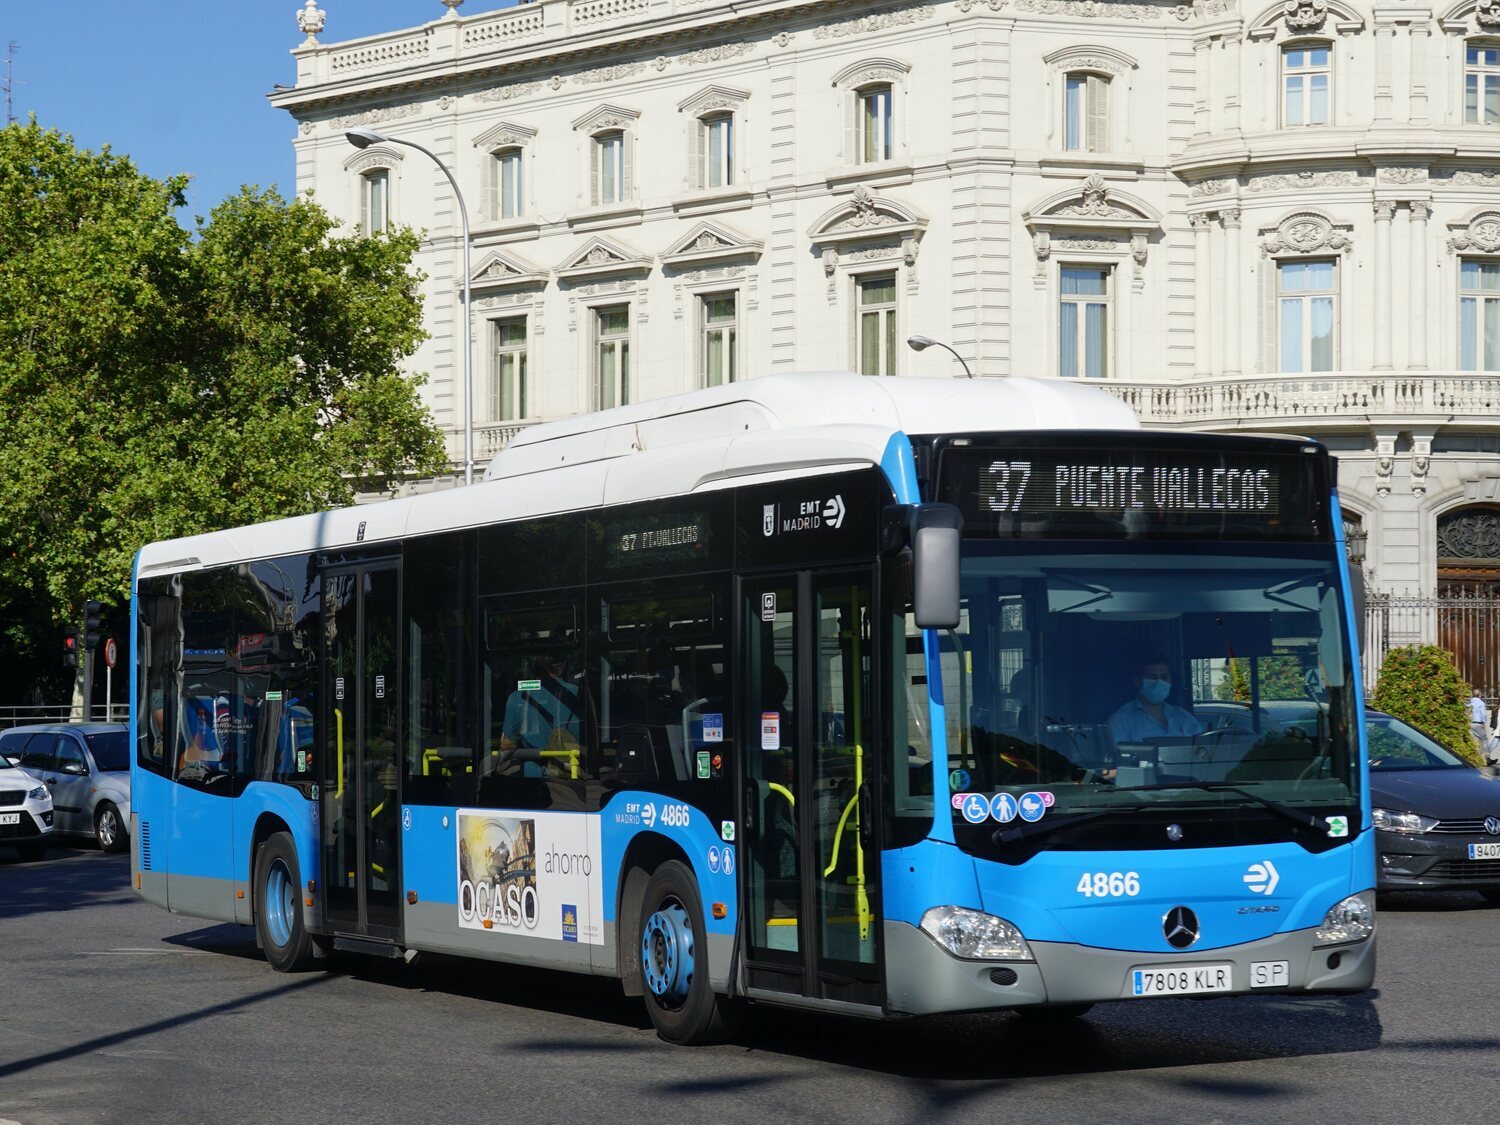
1134,493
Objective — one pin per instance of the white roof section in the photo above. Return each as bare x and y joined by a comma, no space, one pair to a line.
773,427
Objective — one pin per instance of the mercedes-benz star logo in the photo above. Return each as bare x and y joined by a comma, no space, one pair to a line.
1492,825
1181,927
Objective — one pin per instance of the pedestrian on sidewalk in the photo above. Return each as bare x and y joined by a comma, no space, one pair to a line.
1479,721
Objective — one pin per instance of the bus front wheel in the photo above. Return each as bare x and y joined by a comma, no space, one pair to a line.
674,962
278,907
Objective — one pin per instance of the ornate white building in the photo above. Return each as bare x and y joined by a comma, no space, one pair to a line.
1278,217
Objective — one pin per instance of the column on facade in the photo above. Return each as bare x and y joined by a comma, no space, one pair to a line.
1385,39
1232,310
1233,81
1202,310
1385,211
1204,59
1420,38
1124,323
1416,358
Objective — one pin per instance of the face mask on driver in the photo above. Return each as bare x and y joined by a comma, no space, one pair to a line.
1155,691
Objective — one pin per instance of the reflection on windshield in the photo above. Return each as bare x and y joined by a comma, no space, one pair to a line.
1088,673
1396,746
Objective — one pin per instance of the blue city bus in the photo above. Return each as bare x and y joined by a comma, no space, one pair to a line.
874,696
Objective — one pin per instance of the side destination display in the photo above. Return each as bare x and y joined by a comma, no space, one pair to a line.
1015,491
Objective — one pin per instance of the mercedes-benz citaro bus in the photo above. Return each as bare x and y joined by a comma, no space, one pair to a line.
877,696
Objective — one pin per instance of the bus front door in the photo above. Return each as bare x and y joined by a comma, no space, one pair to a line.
811,851
361,808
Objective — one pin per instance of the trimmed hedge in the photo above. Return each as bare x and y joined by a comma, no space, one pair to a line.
1420,685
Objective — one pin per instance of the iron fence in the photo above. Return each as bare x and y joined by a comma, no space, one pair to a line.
17,716
1464,620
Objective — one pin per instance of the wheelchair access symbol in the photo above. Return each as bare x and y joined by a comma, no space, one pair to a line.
976,808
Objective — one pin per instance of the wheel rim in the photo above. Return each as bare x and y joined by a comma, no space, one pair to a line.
667,955
280,902
107,828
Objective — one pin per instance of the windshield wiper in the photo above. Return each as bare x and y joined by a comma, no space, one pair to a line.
1296,816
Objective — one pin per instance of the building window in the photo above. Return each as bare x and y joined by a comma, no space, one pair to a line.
1482,86
875,127
719,339
509,200
717,138
375,201
1083,323
1305,76
508,390
611,168
1086,113
877,324
1307,300
612,355
1479,315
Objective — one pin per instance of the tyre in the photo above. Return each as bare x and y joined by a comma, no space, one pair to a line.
1054,1012
278,907
108,829
32,851
674,962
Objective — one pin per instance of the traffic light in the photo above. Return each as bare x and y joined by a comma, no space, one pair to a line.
70,647
91,636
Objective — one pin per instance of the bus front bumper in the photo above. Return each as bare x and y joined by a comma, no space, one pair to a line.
922,979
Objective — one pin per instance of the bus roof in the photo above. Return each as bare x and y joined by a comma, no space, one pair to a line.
774,426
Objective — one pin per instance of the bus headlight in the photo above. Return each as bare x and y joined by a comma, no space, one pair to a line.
1353,919
973,935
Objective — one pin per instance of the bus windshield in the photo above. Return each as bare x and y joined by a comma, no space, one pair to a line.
1103,684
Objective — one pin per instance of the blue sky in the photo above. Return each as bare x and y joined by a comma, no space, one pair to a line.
180,85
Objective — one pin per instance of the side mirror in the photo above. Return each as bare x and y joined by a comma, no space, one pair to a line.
75,769
936,538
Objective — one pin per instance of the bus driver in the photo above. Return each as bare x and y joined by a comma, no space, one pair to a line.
1147,716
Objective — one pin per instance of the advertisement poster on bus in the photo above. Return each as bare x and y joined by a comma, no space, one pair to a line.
533,876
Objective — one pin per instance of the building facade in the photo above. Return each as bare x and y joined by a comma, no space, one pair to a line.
1280,217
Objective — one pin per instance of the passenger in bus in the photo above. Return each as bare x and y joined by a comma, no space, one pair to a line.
1147,716
536,720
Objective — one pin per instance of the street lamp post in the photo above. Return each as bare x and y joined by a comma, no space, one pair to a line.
922,343
364,138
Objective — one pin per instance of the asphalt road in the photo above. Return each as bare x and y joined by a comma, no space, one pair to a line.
112,1010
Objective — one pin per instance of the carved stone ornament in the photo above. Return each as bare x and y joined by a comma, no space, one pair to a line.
311,21
1093,9
452,6
783,39
1421,461
865,213
1469,533
861,25
1095,202
1404,173
1483,234
1385,464
506,93
1305,234
970,5
1487,14
1211,187
1299,181
1304,15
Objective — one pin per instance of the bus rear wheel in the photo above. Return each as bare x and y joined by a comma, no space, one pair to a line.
674,962
278,907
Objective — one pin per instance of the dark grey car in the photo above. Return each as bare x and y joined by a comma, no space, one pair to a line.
86,766
1437,818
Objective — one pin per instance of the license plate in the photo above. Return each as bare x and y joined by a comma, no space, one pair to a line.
1181,980
10,818
1484,851
1270,974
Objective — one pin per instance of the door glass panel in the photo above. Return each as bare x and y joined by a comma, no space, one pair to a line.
341,861
843,756
379,767
775,888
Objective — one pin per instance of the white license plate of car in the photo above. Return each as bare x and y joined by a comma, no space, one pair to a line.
10,818
1484,851
1181,980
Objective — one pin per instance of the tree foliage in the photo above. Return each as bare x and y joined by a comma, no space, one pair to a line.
158,382
1420,684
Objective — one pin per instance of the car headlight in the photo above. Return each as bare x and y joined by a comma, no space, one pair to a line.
1353,919
973,935
37,794
1393,821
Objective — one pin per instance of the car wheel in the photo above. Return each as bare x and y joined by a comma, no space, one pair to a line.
108,830
674,962
278,907
32,851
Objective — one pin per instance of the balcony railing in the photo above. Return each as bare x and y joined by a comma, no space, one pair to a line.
1343,397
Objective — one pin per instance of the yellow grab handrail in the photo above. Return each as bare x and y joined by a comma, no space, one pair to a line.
777,787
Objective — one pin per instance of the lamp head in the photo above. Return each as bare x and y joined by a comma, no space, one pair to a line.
919,343
364,138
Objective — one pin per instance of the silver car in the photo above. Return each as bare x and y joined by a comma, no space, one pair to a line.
86,766
25,812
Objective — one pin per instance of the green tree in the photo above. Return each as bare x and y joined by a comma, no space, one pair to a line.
1421,685
157,382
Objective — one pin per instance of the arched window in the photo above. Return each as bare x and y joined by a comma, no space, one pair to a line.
1306,84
